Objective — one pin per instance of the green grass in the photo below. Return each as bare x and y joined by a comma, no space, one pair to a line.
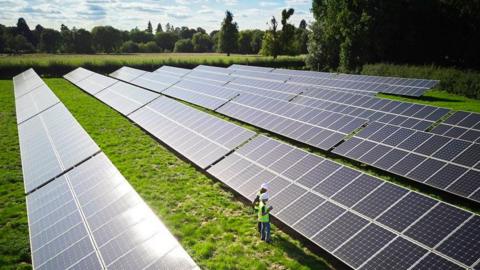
216,229
57,65
442,99
14,242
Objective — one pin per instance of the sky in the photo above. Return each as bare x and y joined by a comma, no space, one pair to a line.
128,14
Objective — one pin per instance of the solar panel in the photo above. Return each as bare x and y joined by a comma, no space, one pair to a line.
127,74
365,222
212,78
260,75
26,82
441,162
213,69
78,74
462,125
51,143
174,70
34,102
205,95
200,137
155,81
250,68
319,128
126,98
91,218
94,83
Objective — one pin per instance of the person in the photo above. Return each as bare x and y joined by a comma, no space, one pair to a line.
256,202
264,217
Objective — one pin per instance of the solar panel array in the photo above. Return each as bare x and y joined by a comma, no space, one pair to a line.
462,125
446,163
363,221
196,135
25,82
82,213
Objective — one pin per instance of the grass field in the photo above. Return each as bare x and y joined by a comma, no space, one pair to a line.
216,229
56,65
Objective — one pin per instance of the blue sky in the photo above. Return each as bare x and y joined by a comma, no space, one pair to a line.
127,14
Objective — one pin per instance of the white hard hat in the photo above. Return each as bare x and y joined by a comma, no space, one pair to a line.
264,186
264,196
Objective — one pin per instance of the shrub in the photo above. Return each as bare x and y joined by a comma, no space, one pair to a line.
129,47
183,45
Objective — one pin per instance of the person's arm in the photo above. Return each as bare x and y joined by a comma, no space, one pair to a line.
266,211
255,202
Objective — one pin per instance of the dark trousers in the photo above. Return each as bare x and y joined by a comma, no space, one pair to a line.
259,227
265,231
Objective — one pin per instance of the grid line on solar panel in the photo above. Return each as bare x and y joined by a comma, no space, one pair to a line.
444,154
26,82
78,74
127,74
55,140
412,116
328,199
462,125
94,83
260,75
178,114
250,68
213,69
275,115
156,81
174,70
34,102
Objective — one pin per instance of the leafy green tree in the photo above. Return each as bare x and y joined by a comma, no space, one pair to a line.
2,38
166,40
149,47
183,45
50,41
68,43
201,42
106,38
159,28
301,38
244,41
129,47
83,41
36,34
186,33
256,43
271,41
287,33
24,30
228,35
140,36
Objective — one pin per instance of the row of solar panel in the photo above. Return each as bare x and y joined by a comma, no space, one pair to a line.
442,162
311,194
82,213
392,85
196,135
325,129
364,221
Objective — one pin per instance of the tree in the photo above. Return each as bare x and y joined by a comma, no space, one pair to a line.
149,47
244,41
271,42
288,32
129,47
166,40
149,28
256,43
24,30
83,41
106,38
2,38
68,43
201,42
36,34
159,28
228,34
19,44
183,45
303,24
50,41
186,33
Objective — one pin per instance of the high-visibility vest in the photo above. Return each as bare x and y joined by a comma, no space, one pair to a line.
263,218
257,203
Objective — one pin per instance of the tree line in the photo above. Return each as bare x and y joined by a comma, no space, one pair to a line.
348,34
164,38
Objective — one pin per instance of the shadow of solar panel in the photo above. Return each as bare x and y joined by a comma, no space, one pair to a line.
51,143
125,98
127,74
34,102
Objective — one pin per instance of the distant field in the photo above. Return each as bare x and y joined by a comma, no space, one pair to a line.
56,65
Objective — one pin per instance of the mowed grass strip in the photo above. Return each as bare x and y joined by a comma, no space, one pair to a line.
215,228
14,241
